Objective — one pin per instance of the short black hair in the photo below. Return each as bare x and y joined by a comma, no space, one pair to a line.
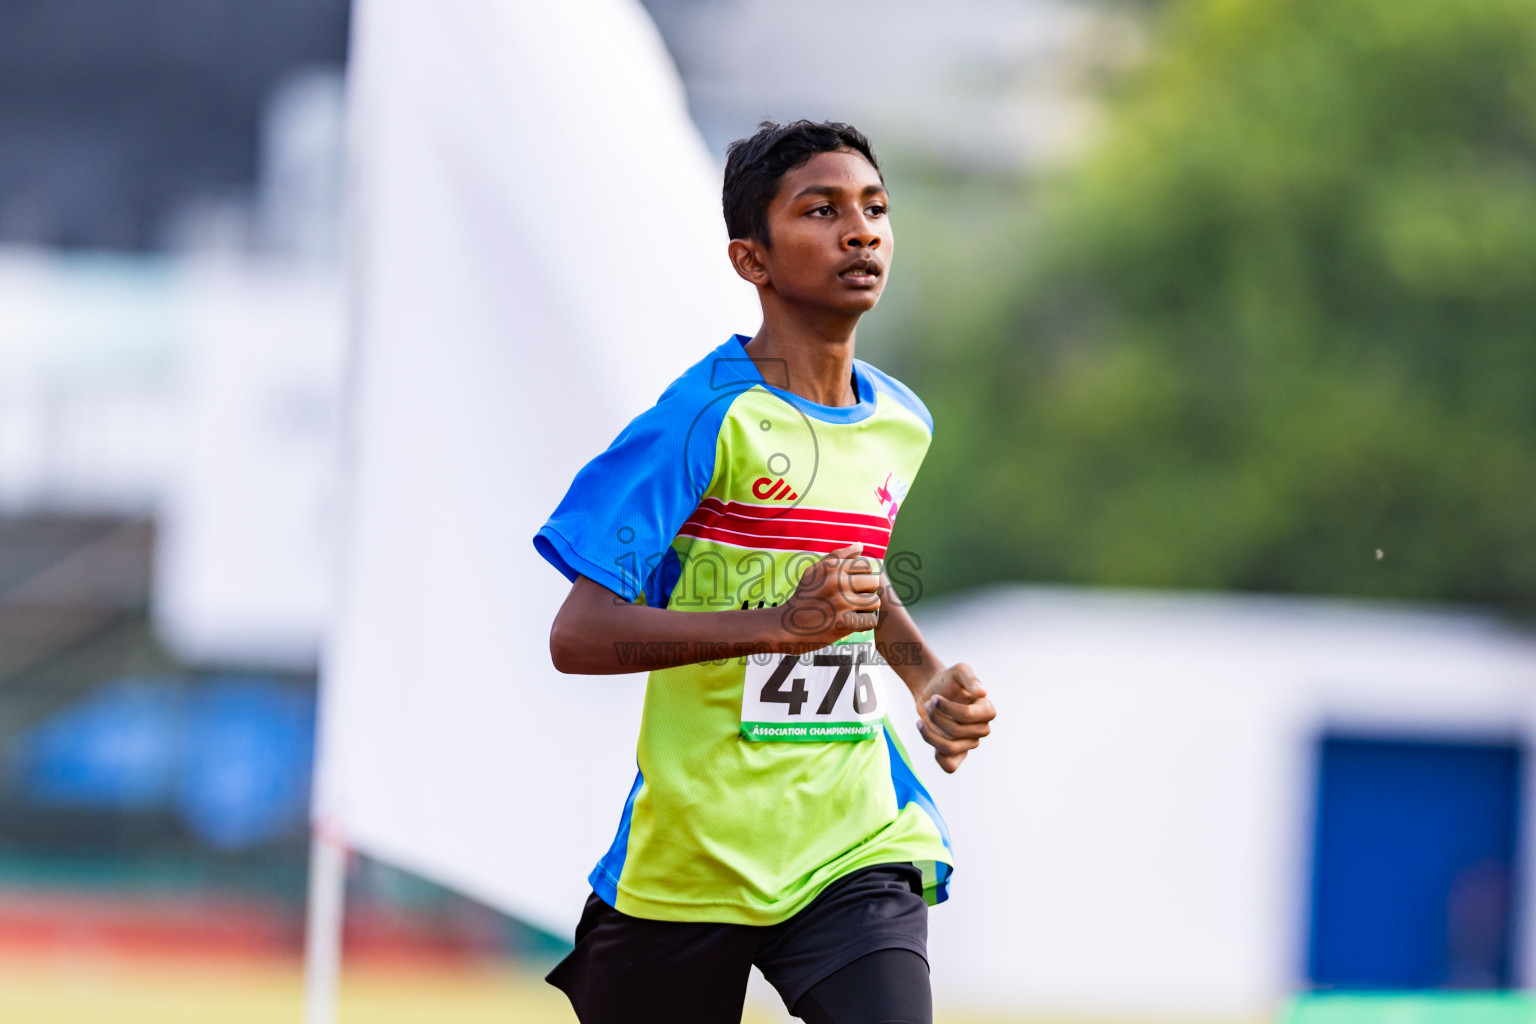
754,165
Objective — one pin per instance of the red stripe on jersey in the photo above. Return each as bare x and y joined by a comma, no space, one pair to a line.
820,545
820,515
867,530
839,532
773,528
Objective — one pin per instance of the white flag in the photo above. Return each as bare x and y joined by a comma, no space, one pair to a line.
538,251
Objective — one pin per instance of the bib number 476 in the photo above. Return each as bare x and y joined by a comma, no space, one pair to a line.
864,700
809,697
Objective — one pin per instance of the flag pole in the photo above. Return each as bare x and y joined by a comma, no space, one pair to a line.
323,924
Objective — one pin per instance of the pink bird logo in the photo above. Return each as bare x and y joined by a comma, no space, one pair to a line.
890,495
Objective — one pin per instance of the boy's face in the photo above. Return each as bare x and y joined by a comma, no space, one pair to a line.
831,236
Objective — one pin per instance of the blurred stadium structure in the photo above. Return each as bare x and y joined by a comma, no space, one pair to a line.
171,354
160,185
1193,806
991,85
1209,801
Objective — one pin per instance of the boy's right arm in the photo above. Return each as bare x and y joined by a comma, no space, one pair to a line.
597,632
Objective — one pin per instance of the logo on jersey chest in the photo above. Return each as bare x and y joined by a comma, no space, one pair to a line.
766,488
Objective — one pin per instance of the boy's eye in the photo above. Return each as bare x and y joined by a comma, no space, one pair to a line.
825,210
878,210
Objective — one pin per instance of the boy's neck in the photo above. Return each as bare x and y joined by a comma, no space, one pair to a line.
812,360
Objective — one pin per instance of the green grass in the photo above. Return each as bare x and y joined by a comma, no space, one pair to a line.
83,989
1403,1008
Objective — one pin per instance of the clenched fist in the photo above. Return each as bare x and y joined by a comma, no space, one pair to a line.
955,714
838,595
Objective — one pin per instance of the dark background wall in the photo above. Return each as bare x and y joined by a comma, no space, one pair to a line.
113,113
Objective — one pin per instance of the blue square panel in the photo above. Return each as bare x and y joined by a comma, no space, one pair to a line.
1414,863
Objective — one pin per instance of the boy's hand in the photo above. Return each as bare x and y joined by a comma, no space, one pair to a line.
954,714
838,595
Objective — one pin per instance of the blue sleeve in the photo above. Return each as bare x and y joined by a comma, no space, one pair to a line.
616,524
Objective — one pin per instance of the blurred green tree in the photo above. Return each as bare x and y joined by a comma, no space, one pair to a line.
1282,318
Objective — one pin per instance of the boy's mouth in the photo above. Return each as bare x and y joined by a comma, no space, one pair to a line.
861,271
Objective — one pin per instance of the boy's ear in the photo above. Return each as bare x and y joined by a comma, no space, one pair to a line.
747,256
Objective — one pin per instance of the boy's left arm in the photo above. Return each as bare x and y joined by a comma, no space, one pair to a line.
952,706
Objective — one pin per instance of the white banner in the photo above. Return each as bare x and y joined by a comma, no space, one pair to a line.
538,251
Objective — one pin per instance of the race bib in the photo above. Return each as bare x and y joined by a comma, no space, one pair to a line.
835,693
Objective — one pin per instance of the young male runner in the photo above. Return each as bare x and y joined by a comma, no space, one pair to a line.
732,539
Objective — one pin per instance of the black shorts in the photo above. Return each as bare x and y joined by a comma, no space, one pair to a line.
634,970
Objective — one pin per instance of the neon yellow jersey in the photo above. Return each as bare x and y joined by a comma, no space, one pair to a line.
761,779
